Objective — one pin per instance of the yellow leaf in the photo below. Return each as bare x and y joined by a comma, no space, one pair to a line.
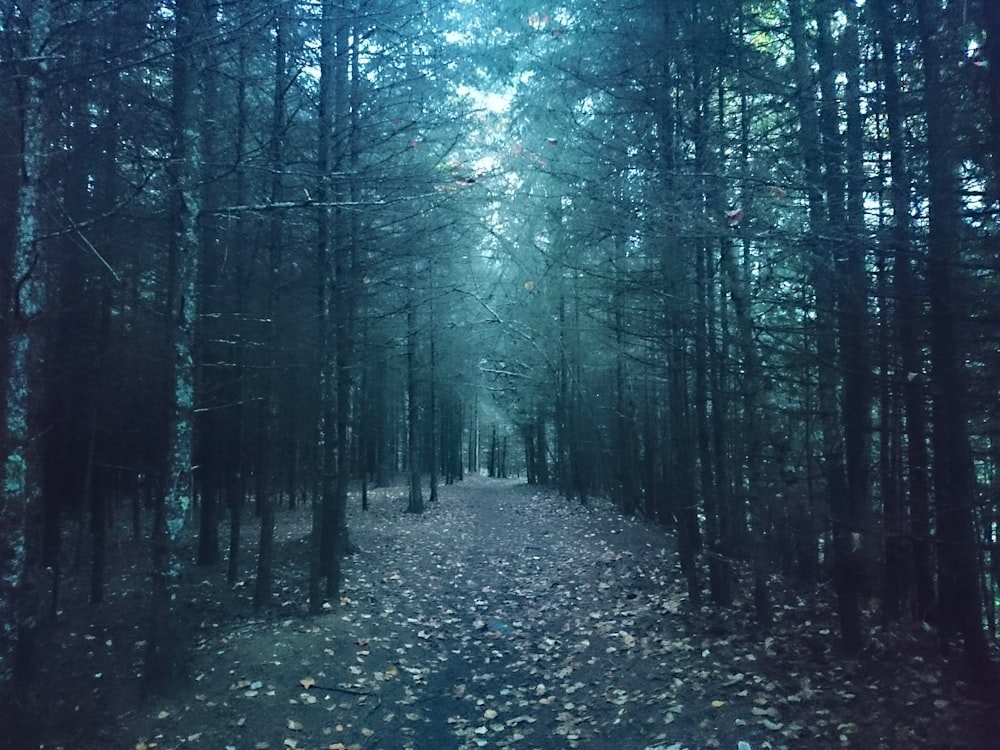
307,682
489,713
718,704
391,671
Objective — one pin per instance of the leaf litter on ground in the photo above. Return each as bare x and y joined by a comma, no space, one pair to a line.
509,617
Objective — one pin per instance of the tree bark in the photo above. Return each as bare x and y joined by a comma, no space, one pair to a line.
267,456
952,465
416,499
909,319
818,142
165,668
21,489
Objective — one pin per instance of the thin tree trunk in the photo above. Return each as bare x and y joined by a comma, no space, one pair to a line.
853,332
432,415
235,501
267,449
21,481
416,500
323,508
991,13
909,318
98,523
343,297
814,133
165,644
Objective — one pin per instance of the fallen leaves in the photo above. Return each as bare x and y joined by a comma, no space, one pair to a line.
527,621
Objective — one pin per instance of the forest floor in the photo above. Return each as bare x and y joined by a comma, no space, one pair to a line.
503,617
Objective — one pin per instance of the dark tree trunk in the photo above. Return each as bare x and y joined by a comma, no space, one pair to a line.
820,148
235,502
165,659
541,448
952,464
264,582
433,428
208,533
530,453
491,462
320,551
416,498
266,479
97,502
909,322
991,13
853,334
343,297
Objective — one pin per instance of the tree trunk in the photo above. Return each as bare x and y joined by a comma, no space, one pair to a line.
991,12
814,134
416,499
235,501
165,644
343,295
21,481
853,333
320,537
267,448
909,319
432,415
952,465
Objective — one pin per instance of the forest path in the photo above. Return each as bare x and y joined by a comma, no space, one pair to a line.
507,617
519,612
501,617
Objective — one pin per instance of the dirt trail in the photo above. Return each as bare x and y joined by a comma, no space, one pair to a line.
501,617
512,606
509,618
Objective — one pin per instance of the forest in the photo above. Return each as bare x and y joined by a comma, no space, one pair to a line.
730,266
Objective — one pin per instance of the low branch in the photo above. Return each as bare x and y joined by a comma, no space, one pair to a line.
508,373
308,203
286,206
